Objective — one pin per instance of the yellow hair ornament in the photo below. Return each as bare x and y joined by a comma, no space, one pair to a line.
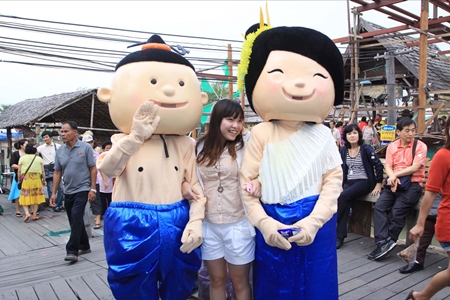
247,48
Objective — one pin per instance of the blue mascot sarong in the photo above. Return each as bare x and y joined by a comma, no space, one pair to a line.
142,243
301,273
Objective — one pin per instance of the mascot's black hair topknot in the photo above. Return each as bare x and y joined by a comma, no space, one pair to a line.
304,41
155,50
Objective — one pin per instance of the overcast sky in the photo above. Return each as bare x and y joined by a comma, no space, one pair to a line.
215,19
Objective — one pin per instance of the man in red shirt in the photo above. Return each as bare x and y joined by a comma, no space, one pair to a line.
362,123
394,202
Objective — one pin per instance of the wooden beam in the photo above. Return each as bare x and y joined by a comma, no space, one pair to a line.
396,17
439,92
436,39
405,12
444,52
441,5
369,6
433,117
393,29
423,54
215,76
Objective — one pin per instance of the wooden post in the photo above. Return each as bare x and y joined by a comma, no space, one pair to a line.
230,73
358,88
423,52
390,82
91,123
9,137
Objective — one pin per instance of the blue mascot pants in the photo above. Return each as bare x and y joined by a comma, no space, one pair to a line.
302,273
142,244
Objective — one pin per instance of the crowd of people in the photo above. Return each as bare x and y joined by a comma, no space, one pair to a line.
52,166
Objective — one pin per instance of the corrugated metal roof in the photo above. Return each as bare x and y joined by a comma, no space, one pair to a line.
438,71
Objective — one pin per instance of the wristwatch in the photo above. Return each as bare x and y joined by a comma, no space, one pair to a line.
94,190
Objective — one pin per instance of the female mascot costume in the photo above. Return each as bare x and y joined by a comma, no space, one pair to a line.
293,76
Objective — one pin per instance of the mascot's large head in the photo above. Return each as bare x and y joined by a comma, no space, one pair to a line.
291,73
157,74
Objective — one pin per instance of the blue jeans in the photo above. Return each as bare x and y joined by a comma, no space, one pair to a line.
59,193
352,190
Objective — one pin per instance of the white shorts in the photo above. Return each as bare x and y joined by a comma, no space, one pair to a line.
234,241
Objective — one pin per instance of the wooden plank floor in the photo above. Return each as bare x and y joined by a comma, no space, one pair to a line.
32,265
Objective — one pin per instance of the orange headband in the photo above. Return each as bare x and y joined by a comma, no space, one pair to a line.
155,46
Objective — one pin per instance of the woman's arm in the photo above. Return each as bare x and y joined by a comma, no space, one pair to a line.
14,163
43,174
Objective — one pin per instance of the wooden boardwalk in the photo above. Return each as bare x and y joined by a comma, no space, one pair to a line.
32,265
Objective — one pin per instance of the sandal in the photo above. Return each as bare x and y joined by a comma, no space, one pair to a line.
18,214
27,217
410,295
35,218
97,226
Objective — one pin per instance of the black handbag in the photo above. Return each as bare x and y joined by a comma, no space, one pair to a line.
405,181
19,184
49,170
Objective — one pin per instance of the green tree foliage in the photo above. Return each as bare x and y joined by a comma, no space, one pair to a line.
4,106
219,91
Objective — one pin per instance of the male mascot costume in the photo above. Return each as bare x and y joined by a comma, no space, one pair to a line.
151,233
293,76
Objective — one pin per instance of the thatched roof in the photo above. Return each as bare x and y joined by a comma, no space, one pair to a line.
74,106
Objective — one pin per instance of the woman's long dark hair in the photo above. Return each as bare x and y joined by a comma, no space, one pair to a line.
350,128
19,143
213,141
447,134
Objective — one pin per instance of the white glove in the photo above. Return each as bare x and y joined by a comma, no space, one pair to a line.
302,238
145,121
192,236
269,229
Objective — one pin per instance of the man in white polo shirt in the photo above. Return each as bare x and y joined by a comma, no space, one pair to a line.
47,151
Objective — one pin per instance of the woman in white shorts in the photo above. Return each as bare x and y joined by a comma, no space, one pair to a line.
228,236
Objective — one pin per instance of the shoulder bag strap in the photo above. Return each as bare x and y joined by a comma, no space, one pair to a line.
29,166
414,151
55,153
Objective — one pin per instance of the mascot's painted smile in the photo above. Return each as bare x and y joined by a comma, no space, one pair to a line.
293,97
170,105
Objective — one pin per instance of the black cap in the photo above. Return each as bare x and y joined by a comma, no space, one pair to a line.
155,49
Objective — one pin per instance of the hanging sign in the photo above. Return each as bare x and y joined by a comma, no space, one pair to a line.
387,134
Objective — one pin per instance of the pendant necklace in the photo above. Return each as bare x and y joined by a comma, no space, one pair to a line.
220,188
352,160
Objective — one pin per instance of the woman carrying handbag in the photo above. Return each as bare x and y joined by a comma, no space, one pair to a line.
32,181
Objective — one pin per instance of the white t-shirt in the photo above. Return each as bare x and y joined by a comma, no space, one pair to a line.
48,152
336,134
